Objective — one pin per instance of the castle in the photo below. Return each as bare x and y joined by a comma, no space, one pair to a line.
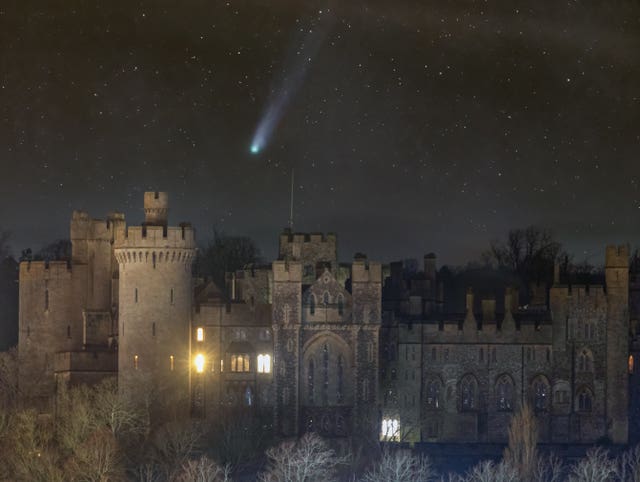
321,345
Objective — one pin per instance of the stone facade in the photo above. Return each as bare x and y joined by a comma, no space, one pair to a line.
340,349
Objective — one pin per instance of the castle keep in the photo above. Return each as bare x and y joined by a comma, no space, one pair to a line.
323,346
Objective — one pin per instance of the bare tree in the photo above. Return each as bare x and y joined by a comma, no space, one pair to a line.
204,470
116,412
521,453
97,459
548,469
304,460
489,471
595,467
400,466
629,465
172,445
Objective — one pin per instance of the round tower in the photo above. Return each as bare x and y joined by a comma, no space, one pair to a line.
155,301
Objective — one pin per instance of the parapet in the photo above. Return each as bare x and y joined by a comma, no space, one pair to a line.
284,271
84,227
155,237
361,272
30,270
617,256
289,237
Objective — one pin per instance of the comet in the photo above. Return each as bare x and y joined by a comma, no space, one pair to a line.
296,67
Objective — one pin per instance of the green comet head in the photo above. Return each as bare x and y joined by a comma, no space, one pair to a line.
255,149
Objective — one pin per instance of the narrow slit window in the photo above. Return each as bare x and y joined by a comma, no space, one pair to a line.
153,328
68,331
171,362
171,296
135,295
135,361
200,334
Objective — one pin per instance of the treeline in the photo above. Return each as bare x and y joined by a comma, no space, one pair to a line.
98,435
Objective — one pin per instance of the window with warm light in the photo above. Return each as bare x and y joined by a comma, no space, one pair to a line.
171,362
390,430
264,363
240,363
200,334
199,363
135,361
630,364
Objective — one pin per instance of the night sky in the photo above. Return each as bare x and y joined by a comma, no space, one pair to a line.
412,126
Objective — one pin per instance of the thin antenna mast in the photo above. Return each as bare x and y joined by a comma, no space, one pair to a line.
291,204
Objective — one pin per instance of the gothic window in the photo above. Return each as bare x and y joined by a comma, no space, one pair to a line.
585,400
325,374
540,393
504,394
433,394
339,388
312,304
468,393
248,397
311,388
585,361
325,298
370,352
240,362
340,305
390,430
199,334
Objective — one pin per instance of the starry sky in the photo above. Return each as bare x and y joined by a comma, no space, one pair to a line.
412,125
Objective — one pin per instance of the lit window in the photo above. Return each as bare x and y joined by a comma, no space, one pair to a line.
264,363
199,362
390,430
630,364
221,366
135,361
171,361
200,334
240,363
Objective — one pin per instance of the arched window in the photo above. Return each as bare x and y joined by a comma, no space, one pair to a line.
311,388
585,361
312,304
433,394
340,305
540,393
325,298
248,396
504,394
468,393
339,386
585,400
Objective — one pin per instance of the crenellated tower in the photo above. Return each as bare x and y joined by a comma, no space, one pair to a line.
155,302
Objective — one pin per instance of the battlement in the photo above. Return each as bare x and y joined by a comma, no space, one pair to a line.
155,237
84,227
289,237
284,271
617,256
363,272
30,270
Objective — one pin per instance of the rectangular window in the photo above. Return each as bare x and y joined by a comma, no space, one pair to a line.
264,363
390,430
135,361
221,365
200,334
171,296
